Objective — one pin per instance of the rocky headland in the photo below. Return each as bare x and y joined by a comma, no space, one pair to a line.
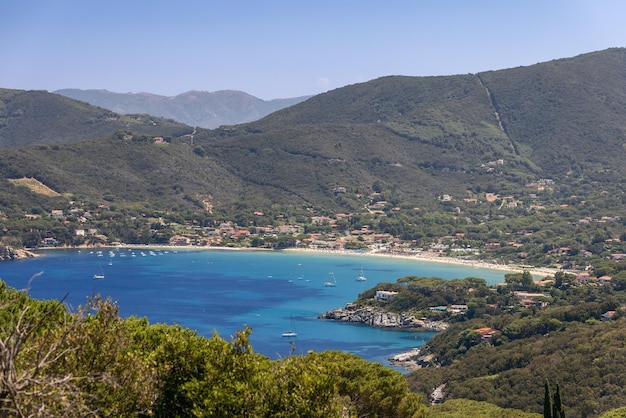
413,359
378,317
9,253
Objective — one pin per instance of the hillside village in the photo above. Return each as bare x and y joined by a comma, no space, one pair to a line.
370,230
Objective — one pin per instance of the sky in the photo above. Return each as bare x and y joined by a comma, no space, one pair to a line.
286,48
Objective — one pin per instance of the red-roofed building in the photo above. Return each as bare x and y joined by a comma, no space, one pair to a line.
486,333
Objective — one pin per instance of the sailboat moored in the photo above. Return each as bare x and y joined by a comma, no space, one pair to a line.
361,277
332,282
99,275
291,332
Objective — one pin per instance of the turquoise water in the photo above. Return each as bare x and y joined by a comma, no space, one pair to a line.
224,291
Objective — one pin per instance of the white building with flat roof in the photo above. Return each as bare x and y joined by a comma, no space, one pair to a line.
385,295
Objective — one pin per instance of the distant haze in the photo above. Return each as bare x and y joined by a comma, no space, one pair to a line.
194,108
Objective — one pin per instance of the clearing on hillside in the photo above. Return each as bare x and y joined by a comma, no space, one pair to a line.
35,186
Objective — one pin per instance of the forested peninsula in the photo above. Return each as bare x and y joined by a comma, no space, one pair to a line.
501,344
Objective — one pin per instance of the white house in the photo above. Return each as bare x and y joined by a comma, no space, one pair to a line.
385,295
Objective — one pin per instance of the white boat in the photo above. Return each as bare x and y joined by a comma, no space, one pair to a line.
331,283
361,277
292,331
99,275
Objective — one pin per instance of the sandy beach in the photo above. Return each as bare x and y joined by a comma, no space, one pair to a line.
431,257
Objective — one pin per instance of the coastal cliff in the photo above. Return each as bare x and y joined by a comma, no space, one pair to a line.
9,253
378,317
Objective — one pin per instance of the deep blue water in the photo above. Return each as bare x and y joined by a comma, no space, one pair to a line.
223,291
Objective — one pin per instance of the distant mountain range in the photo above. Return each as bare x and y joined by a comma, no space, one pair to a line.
194,108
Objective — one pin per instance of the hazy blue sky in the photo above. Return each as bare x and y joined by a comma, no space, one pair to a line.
273,49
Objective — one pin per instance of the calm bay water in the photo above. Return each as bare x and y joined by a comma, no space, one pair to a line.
223,291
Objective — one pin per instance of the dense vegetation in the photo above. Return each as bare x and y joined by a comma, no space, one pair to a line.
463,408
505,345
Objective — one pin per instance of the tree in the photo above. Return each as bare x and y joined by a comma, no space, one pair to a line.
372,389
558,279
557,406
527,280
35,341
547,401
619,280
520,281
552,405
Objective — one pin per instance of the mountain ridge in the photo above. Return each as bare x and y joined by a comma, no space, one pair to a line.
194,107
39,117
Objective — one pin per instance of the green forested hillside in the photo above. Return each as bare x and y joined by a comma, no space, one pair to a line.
584,359
166,176
415,137
39,117
565,343
567,115
421,137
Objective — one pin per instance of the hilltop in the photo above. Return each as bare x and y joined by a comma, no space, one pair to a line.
194,108
39,117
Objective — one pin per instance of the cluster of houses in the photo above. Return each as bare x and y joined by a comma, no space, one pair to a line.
585,278
228,230
526,299
82,216
334,238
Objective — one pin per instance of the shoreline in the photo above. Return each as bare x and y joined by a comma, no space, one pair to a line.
416,256
509,268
